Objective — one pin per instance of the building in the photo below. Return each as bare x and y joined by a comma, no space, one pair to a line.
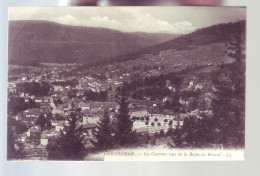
138,113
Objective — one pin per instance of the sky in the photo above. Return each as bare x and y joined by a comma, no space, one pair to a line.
175,20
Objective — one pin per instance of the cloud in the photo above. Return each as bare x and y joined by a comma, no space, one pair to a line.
183,27
123,19
149,23
104,21
144,23
68,19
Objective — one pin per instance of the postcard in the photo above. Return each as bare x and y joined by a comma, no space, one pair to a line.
126,83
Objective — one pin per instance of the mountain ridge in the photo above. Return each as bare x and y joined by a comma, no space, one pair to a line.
45,41
219,33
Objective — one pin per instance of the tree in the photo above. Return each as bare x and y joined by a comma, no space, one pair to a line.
176,134
49,116
125,135
228,106
103,134
14,147
198,133
170,123
41,121
69,145
161,133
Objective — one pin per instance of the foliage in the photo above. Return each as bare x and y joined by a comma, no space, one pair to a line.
125,136
174,104
72,83
14,147
44,122
18,104
57,101
229,104
176,134
96,96
196,132
69,145
103,134
34,88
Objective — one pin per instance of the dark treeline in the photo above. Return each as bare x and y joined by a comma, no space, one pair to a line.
152,92
96,96
152,86
34,88
17,104
72,83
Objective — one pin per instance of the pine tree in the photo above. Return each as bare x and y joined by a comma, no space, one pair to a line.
228,106
103,134
125,136
69,145
176,134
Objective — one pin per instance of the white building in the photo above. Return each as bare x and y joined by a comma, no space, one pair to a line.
139,113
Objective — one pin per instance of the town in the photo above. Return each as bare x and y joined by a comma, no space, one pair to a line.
185,93
93,91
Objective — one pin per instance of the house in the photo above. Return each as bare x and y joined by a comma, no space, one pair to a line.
68,87
175,123
59,126
90,119
45,108
38,100
24,78
32,113
198,86
138,113
80,93
22,137
85,107
44,139
47,99
141,130
12,90
66,106
33,132
57,88
34,135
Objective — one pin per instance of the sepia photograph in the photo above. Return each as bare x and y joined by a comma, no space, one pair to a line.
126,83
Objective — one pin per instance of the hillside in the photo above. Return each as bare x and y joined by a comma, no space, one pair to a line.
221,33
32,42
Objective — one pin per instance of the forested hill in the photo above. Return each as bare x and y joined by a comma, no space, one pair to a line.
221,33
32,42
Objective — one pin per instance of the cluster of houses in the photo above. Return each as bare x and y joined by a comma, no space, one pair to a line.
145,114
